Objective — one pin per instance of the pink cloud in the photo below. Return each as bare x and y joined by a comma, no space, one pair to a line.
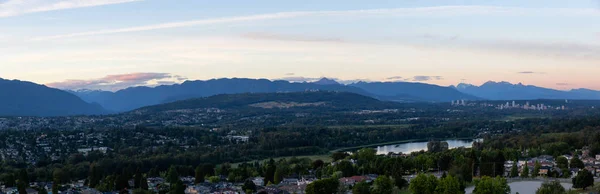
116,82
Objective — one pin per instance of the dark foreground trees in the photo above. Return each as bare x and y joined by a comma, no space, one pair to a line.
323,186
551,188
583,180
488,185
429,184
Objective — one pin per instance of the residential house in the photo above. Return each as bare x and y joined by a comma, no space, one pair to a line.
350,181
544,170
290,181
259,181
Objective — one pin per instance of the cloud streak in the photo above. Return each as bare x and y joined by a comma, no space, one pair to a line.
395,78
281,37
439,11
299,79
116,82
422,78
530,72
20,7
314,79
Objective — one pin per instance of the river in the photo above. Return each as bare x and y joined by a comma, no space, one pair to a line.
418,146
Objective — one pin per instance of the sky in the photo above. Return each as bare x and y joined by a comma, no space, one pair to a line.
114,44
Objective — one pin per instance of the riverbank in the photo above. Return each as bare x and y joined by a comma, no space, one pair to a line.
392,143
327,157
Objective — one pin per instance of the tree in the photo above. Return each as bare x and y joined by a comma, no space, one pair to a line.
177,188
361,188
553,187
58,176
339,156
144,183
317,164
9,180
270,171
536,169
42,191
383,184
106,185
21,187
204,170
55,186
399,181
137,179
249,186
423,184
323,186
172,175
489,185
121,182
345,167
141,191
366,154
23,176
199,175
583,180
562,162
94,176
214,179
449,185
514,171
224,169
525,173
577,163
278,177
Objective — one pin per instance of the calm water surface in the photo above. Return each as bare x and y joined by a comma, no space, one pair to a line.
418,146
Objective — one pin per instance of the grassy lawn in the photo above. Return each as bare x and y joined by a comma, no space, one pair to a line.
402,126
325,158
520,117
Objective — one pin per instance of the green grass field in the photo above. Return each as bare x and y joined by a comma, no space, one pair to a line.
402,126
325,157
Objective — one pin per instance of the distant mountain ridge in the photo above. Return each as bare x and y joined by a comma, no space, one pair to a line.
281,100
20,98
507,91
136,97
421,91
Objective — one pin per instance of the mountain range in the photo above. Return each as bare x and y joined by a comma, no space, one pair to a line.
508,91
19,98
276,101
136,97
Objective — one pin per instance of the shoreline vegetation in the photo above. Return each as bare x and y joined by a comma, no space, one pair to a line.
327,157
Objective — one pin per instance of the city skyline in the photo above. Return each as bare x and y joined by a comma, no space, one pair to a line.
107,43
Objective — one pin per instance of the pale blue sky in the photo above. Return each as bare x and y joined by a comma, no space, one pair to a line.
552,43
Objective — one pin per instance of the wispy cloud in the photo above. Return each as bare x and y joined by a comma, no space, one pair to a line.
394,78
530,72
20,7
439,11
422,78
284,37
299,79
117,82
314,79
563,84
